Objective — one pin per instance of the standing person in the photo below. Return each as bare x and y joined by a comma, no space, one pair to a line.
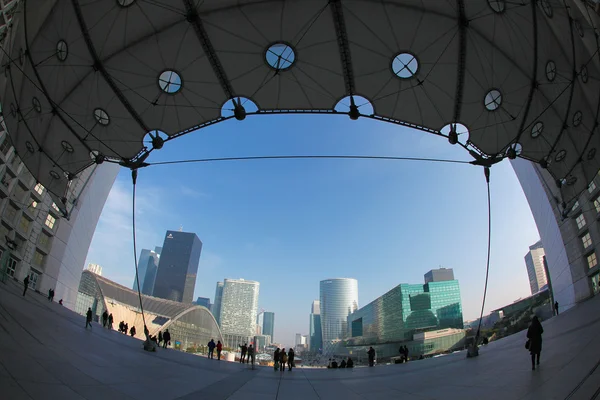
211,349
282,359
556,307
50,295
166,338
290,359
26,283
132,331
243,349
219,348
250,357
534,334
104,318
276,359
110,321
88,318
60,302
160,338
125,328
406,353
371,354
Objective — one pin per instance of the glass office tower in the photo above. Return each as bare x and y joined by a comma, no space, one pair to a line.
216,307
239,306
338,299
178,266
268,321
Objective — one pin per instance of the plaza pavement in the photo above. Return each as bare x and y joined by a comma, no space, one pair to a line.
45,353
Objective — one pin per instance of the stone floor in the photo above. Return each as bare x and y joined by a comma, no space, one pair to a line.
45,353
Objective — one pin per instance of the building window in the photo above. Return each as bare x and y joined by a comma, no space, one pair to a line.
592,187
33,277
50,220
10,213
587,240
580,221
33,204
595,283
55,207
39,188
43,240
592,260
5,146
24,224
597,204
38,258
575,206
11,266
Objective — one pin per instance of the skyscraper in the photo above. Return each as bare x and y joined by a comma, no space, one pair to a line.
268,321
176,276
141,269
239,306
315,340
95,268
149,278
439,275
203,301
338,299
216,307
534,260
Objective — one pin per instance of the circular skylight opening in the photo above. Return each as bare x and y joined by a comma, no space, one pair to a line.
37,106
169,82
493,99
228,109
591,154
364,105
537,129
62,50
29,147
550,70
547,7
101,116
577,117
497,5
584,74
579,28
54,175
571,180
405,65
155,139
516,147
461,130
67,146
560,155
280,56
125,3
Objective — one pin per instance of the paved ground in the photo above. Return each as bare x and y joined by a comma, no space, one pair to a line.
45,353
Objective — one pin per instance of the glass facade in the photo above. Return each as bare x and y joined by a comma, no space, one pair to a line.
338,299
405,311
178,267
316,341
216,307
239,307
268,321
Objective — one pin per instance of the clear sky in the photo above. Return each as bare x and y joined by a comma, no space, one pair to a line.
291,223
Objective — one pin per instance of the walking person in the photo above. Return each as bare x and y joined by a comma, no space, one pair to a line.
160,337
121,325
211,348
219,348
132,331
243,349
282,359
371,354
556,307
26,283
290,361
166,338
125,328
50,295
406,353
534,344
276,359
88,318
110,321
104,318
250,357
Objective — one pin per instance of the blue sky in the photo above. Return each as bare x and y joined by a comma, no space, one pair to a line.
291,223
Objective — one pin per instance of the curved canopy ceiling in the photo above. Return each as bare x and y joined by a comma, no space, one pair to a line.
87,80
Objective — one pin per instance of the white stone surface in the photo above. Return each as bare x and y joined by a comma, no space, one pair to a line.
45,353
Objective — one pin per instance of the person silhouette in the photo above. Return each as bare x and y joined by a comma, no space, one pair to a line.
534,334
88,318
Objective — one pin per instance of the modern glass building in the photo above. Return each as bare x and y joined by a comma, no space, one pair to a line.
216,307
314,334
239,306
176,276
147,268
338,299
268,327
189,324
406,311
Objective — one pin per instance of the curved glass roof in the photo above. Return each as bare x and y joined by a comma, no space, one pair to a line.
88,80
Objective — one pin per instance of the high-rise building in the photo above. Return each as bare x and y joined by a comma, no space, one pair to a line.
95,268
315,340
439,275
404,313
203,301
239,306
176,276
338,299
534,260
216,307
268,319
149,277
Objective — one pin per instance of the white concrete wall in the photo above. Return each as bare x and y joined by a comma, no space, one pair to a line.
74,236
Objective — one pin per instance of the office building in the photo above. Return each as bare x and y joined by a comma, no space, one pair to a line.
239,306
216,307
315,341
203,301
262,341
534,261
402,315
439,275
338,299
95,268
147,268
178,266
268,327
